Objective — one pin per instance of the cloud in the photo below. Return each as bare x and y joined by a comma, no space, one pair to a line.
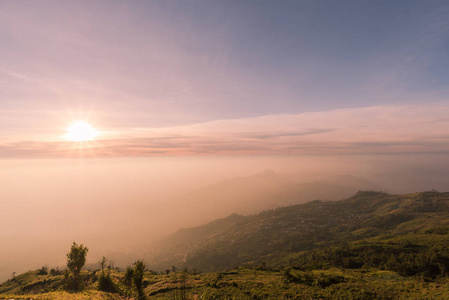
371,130
15,75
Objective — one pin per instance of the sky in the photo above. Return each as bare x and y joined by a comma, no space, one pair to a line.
185,94
224,77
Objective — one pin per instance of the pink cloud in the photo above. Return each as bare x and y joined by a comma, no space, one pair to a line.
371,130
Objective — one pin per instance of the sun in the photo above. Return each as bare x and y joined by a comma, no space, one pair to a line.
81,131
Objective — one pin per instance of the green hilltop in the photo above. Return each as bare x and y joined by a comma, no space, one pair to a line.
276,237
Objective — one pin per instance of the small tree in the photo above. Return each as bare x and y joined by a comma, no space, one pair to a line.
139,269
133,279
105,282
76,259
129,274
103,263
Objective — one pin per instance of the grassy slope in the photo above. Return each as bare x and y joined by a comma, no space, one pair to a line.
245,283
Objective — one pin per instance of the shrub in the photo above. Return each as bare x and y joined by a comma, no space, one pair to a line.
106,284
42,271
55,272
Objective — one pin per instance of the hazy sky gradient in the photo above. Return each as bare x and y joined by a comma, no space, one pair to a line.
170,64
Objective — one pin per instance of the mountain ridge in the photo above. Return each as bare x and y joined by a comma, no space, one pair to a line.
273,234
262,191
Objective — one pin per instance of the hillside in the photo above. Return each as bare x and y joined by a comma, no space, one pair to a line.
275,237
370,246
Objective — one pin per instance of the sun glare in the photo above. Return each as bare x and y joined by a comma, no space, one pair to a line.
81,131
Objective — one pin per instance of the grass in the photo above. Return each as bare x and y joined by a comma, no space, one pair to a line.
248,283
63,295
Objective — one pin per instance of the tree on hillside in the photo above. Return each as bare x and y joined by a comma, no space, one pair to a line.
103,263
139,269
133,279
128,279
76,259
105,282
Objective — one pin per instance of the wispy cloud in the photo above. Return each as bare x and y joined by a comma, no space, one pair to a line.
371,130
15,75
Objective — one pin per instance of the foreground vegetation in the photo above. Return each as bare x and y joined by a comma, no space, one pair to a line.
242,283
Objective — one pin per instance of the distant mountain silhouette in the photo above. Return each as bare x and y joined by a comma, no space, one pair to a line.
267,190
